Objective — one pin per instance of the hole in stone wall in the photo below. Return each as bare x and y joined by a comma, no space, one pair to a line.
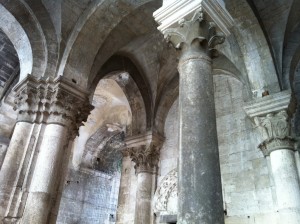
74,81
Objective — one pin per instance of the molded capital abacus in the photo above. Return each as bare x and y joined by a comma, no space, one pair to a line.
188,23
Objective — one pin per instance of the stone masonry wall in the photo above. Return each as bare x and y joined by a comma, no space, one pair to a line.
89,197
248,190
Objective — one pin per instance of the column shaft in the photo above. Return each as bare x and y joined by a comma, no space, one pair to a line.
143,198
199,185
10,168
46,176
286,180
124,191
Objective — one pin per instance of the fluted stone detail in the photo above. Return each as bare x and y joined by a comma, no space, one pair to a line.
275,129
52,101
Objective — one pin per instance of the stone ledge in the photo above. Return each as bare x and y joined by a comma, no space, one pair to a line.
268,104
169,15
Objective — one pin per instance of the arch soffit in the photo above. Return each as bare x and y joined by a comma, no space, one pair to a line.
135,100
120,63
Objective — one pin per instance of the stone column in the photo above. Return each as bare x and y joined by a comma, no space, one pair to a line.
124,191
190,27
49,114
4,142
146,160
10,169
144,152
271,117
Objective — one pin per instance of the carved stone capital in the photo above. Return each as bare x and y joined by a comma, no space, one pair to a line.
52,101
186,23
275,129
145,158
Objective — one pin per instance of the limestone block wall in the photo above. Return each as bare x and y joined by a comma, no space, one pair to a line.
89,197
248,189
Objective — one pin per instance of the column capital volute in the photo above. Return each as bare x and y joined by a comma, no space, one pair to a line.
183,22
144,151
271,117
52,101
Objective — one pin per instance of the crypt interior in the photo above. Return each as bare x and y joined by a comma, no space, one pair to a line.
149,111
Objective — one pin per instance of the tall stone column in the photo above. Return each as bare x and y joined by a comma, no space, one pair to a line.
271,117
144,152
49,114
124,191
190,27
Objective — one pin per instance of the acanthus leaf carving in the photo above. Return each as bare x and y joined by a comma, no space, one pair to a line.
275,129
145,158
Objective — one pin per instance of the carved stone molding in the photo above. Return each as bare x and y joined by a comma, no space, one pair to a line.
165,191
275,129
51,101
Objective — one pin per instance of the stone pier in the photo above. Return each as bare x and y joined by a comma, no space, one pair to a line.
32,169
195,28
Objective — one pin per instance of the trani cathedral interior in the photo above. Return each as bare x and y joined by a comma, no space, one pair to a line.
149,111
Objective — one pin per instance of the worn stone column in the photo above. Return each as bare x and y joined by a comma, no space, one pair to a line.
4,142
271,117
195,34
10,169
146,160
144,152
124,191
49,114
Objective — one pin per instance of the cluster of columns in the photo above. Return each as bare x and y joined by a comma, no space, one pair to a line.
49,114
270,115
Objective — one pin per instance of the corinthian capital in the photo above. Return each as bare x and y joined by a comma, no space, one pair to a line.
275,129
145,158
144,151
271,117
51,101
185,22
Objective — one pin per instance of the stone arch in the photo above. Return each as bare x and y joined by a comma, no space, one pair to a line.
166,191
19,39
124,64
41,44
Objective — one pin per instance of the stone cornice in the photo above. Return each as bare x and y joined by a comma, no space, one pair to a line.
169,15
144,139
51,101
268,104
